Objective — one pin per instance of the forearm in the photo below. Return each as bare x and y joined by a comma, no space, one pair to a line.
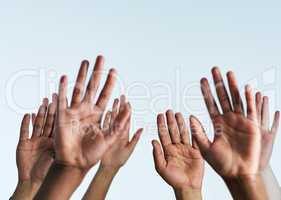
25,190
188,194
60,182
271,184
100,184
247,187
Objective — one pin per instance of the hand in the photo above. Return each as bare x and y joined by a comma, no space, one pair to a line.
236,147
268,134
79,140
118,154
35,154
181,164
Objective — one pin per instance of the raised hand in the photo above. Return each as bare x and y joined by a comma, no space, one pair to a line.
235,151
236,146
79,140
268,137
118,154
180,163
268,134
35,153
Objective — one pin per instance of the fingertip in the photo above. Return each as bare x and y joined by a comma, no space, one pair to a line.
215,70
203,81
85,62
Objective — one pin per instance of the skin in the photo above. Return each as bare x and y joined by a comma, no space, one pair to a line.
268,136
180,163
35,153
235,151
80,142
115,157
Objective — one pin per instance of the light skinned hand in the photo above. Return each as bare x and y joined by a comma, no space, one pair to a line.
118,154
268,134
180,163
79,139
235,149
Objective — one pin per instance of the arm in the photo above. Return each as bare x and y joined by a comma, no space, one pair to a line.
268,137
34,154
235,150
79,141
180,163
115,157
100,184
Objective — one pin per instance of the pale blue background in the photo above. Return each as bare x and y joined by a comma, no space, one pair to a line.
148,42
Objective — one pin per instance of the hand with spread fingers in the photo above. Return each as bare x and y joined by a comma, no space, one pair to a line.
116,156
268,136
79,141
35,154
235,151
180,163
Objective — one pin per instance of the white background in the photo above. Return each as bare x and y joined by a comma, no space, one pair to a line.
161,50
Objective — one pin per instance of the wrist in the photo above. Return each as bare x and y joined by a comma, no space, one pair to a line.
188,193
108,170
26,190
248,186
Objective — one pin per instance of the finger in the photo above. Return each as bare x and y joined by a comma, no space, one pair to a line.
62,100
39,121
259,103
209,99
265,114
172,127
132,144
198,133
45,102
163,132
107,90
251,108
94,81
122,102
33,117
158,155
49,123
235,94
121,119
184,133
221,90
106,122
24,129
115,111
275,125
80,83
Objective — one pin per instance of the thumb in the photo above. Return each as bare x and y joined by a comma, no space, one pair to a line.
199,135
159,159
132,144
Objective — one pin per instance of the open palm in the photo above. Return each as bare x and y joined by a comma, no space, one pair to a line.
35,154
181,164
118,154
236,146
79,139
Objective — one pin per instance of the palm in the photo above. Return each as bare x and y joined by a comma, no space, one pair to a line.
238,138
80,134
184,166
34,157
118,154
35,154
180,164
